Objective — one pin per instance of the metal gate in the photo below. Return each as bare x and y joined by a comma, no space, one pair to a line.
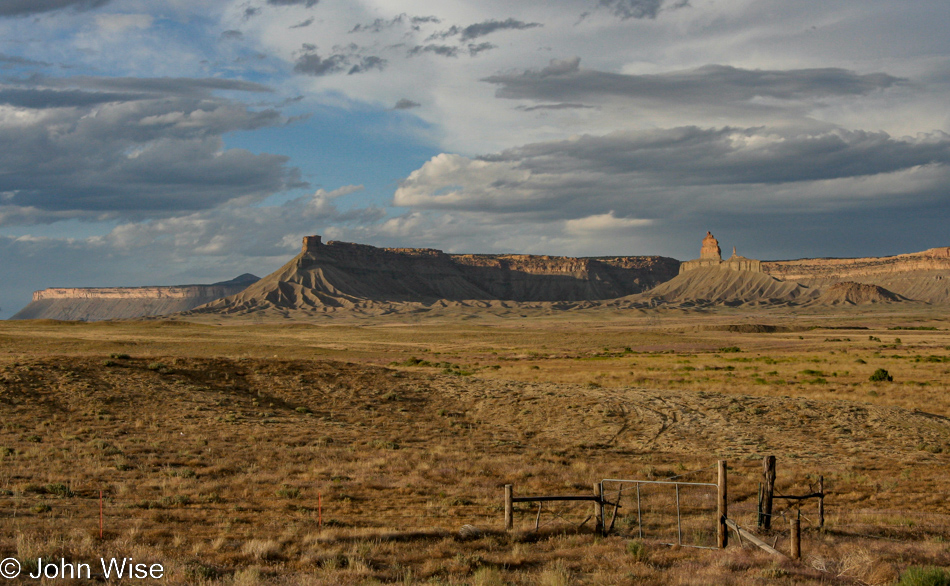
683,512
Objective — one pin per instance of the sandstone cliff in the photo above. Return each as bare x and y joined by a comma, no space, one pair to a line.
346,275
101,303
921,276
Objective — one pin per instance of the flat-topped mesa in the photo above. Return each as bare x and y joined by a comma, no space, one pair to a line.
101,303
710,256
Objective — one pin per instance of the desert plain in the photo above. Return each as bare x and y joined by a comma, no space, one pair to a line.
375,449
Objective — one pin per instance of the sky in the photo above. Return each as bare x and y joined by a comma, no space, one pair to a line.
160,142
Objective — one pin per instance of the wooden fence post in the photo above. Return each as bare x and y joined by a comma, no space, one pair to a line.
722,532
509,507
768,469
821,502
796,538
598,509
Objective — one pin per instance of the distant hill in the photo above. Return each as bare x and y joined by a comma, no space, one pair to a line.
102,303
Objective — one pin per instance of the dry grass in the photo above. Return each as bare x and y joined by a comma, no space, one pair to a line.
214,445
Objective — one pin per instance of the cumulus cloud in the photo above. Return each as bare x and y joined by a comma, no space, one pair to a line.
106,154
30,7
231,35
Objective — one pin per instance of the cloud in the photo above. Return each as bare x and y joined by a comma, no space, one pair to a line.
561,106
117,23
564,80
13,60
100,154
303,24
474,49
30,7
443,50
178,86
305,3
231,35
480,29
381,24
406,104
311,63
639,9
679,171
600,225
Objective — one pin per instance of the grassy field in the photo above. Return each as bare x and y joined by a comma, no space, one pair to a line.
355,450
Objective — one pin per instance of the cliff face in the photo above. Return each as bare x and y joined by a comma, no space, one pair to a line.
922,276
341,274
101,303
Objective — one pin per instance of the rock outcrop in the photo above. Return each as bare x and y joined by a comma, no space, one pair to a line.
713,286
346,275
102,303
850,293
921,276
710,257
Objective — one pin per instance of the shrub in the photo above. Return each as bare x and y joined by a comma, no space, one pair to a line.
881,375
729,349
637,551
924,576
287,492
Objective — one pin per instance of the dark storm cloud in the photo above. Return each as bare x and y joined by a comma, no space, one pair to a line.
114,154
30,7
564,80
639,9
480,29
406,104
311,63
306,3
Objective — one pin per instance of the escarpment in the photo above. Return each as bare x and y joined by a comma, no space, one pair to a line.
102,303
921,276
343,274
